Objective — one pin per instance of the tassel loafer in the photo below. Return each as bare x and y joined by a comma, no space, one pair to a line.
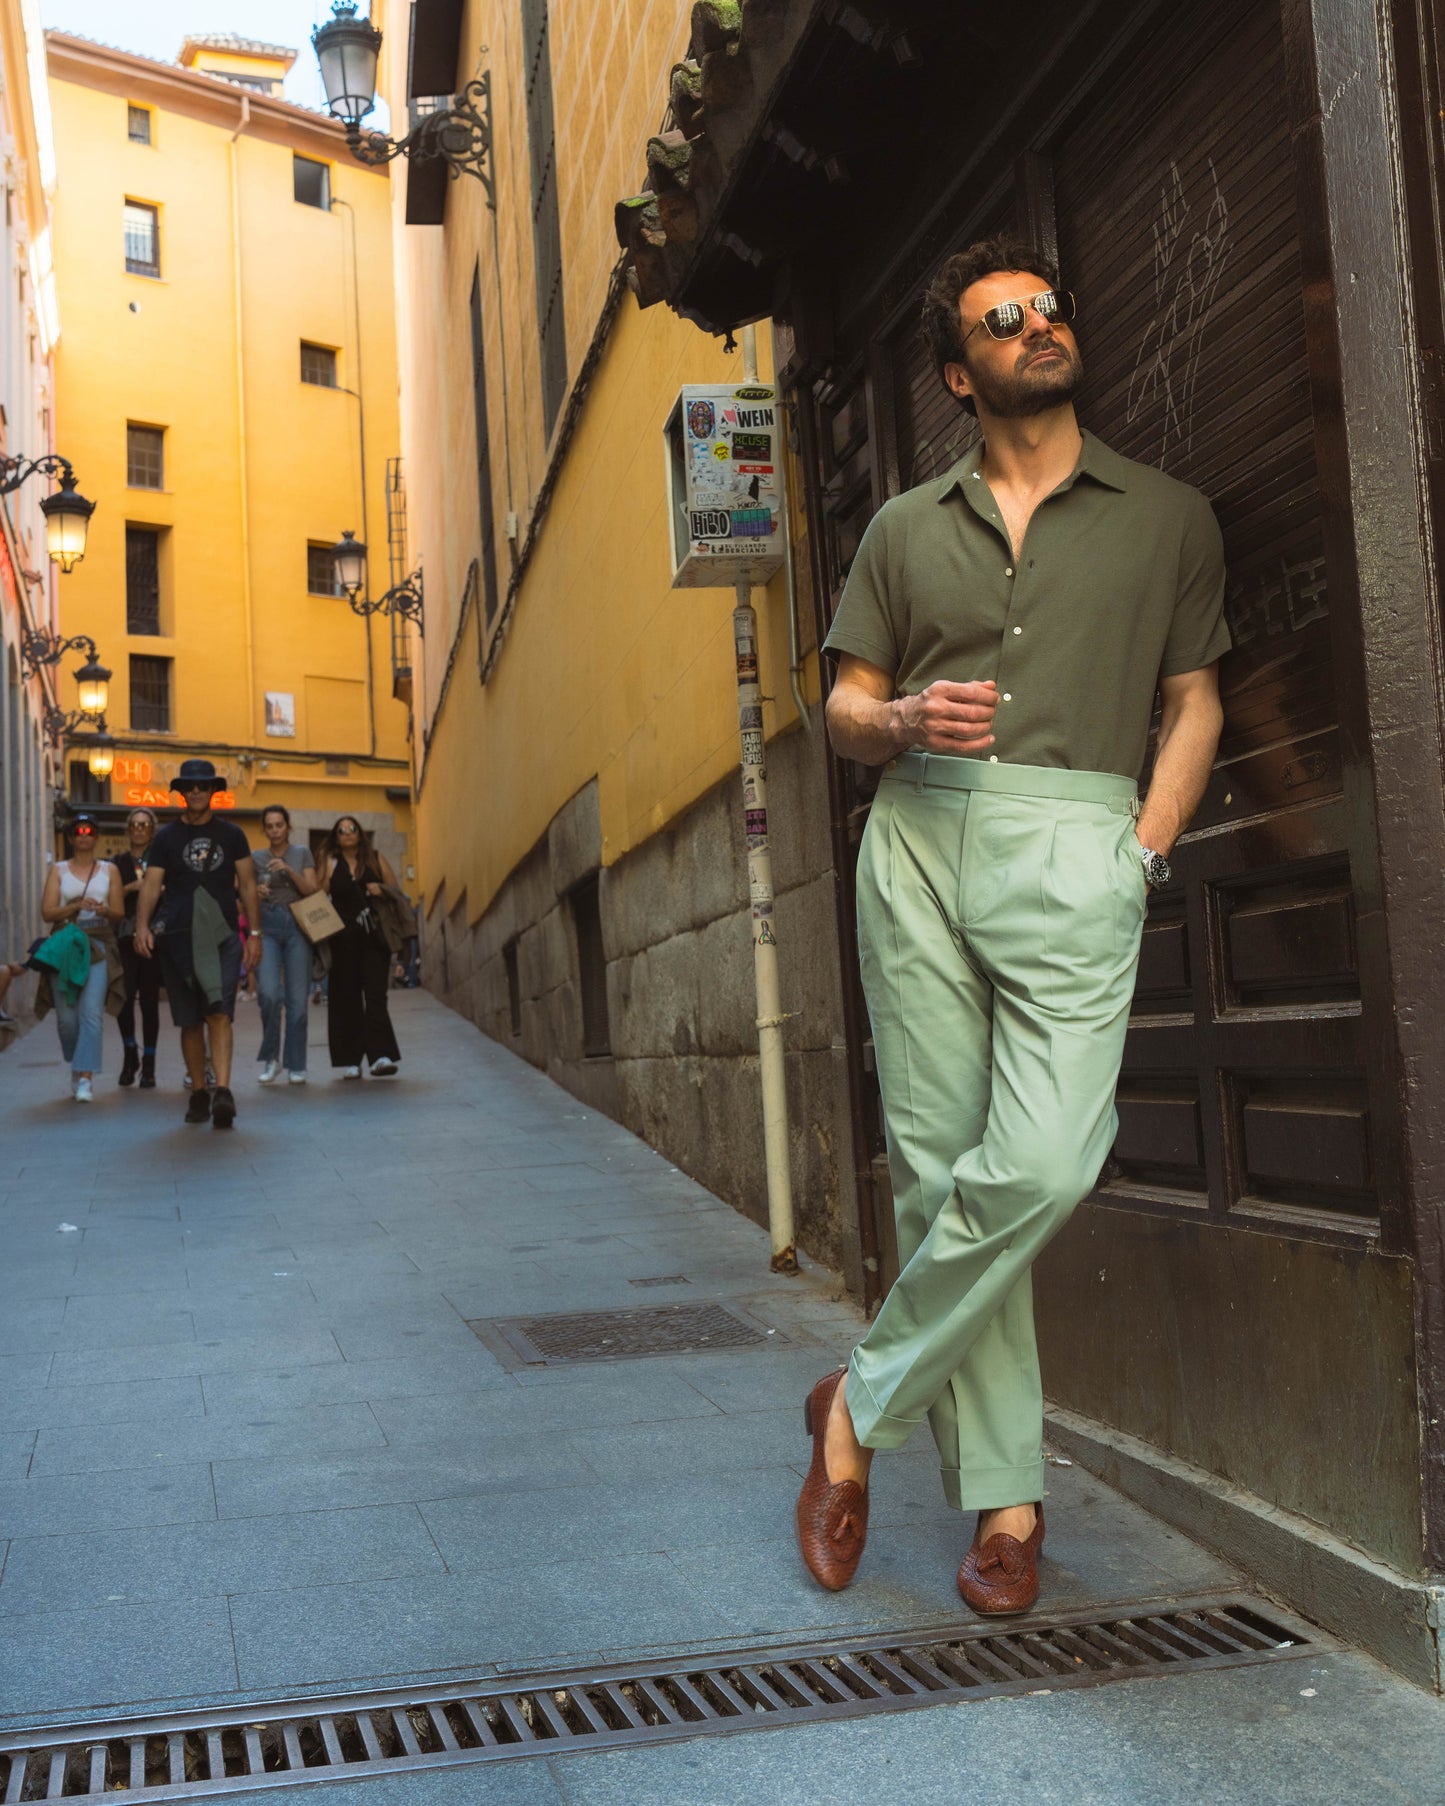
832,1518
1001,1576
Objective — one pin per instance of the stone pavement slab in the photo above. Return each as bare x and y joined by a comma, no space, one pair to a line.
249,1446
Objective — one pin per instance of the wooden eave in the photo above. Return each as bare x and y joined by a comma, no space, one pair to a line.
207,98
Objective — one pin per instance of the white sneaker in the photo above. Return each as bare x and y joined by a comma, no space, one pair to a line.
83,1092
383,1068
268,1073
351,1072
297,1078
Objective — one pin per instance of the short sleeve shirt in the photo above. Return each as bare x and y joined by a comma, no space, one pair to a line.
200,857
281,884
1120,582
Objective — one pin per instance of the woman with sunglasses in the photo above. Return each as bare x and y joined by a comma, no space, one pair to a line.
354,875
85,891
142,976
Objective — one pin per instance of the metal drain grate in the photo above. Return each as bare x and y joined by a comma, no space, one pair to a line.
663,1279
182,1757
619,1335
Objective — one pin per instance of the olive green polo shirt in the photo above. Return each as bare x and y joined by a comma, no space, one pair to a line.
1120,582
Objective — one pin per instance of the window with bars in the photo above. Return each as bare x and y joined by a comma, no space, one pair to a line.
484,454
142,239
150,694
145,457
318,365
546,221
311,182
142,580
87,791
321,571
138,124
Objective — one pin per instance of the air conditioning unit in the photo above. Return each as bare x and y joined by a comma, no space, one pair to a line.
724,485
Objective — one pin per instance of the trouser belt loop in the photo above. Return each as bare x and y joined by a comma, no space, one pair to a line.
921,777
1134,806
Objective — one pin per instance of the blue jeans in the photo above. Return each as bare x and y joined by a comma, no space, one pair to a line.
80,1023
285,977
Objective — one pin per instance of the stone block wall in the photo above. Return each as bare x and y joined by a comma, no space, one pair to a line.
677,939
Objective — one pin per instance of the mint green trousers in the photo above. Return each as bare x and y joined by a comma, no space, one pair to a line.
1000,909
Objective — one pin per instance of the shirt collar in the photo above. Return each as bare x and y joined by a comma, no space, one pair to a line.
1096,460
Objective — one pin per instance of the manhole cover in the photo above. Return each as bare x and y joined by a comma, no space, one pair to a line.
620,1335
181,1756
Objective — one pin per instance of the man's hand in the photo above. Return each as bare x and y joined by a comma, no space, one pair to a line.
947,718
145,944
251,957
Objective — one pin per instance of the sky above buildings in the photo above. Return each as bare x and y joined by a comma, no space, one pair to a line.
155,28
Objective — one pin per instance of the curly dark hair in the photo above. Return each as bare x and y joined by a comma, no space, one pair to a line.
940,326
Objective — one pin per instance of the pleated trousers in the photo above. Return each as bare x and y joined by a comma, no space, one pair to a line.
1000,910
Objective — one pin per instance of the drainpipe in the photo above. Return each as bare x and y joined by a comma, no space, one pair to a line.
795,647
771,1015
250,636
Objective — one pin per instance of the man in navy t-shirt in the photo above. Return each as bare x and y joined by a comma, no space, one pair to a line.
197,866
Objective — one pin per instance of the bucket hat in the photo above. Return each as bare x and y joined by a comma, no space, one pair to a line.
198,771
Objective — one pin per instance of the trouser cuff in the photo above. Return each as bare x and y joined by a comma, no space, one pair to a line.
988,1489
873,1427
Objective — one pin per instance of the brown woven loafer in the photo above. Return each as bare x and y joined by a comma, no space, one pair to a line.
1001,1576
832,1519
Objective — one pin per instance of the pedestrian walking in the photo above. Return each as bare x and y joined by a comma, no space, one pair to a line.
82,903
1000,642
189,913
284,874
358,1024
142,976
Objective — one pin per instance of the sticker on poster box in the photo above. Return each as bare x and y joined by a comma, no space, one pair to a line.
756,393
752,523
752,747
757,446
754,470
721,452
755,417
711,523
701,419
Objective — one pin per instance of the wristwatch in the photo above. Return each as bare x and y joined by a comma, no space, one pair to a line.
1157,870
254,934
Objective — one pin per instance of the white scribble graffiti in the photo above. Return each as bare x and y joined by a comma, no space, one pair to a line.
1189,260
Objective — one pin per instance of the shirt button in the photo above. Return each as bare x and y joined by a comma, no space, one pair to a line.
993,758
1008,570
1018,629
1007,697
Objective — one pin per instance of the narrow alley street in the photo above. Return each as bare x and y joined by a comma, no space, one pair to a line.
252,1450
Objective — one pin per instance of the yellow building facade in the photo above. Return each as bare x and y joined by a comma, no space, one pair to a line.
579,804
229,393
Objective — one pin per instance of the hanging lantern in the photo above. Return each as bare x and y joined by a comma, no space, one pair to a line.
347,48
67,519
350,557
93,680
102,755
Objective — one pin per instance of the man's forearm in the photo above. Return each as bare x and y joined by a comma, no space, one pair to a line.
862,728
1182,764
145,903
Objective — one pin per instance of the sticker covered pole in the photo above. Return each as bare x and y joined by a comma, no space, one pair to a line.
771,1016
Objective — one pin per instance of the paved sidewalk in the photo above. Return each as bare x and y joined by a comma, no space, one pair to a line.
250,1448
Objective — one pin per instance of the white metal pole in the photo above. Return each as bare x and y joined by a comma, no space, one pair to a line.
771,1016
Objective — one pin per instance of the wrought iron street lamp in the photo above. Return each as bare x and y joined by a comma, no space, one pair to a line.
101,752
460,135
404,598
67,512
37,648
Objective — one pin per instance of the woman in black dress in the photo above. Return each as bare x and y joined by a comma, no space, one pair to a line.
142,976
358,1023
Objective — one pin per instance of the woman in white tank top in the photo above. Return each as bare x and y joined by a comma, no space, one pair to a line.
86,891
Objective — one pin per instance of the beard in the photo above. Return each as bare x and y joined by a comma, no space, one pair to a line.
1033,386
